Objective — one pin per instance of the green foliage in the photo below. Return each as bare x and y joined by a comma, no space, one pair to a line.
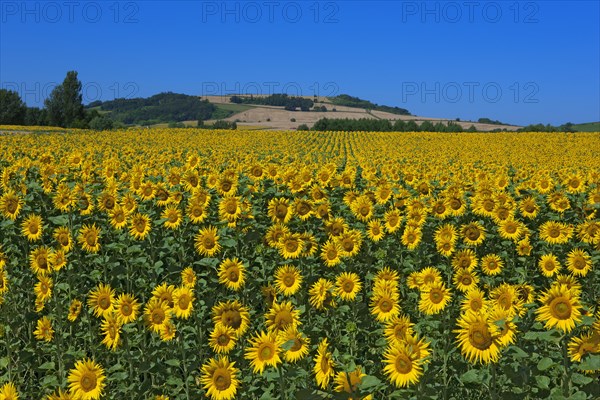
12,108
383,125
65,105
290,103
350,101
163,107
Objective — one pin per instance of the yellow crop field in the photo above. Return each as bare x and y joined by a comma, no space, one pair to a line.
185,264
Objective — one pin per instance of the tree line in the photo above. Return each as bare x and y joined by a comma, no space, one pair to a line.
384,125
290,103
351,101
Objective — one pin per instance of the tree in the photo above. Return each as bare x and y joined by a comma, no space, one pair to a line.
12,108
65,103
101,123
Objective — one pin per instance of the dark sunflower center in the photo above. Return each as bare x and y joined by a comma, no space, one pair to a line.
222,379
266,352
88,381
560,308
403,364
480,337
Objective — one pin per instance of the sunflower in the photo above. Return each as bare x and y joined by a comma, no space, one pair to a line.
288,280
491,264
465,280
59,395
362,208
348,285
411,237
62,235
32,227
529,207
440,208
303,209
464,259
477,338
139,226
126,308
164,293
473,233
384,304
183,302
40,260
3,283
524,247
549,265
330,253
43,289
429,276
111,329
222,339
232,273
207,241
324,365
102,300
156,313
291,246
298,342
510,229
347,382
44,330
570,282
275,233
388,275
560,308
588,231
167,331
106,201
505,296
579,262
282,316
196,211
474,301
401,369
321,294
230,209
336,227
279,210
580,346
74,310
89,238
173,217
232,314
375,230
397,329
10,205
264,351
445,234
188,277
506,328
445,248
434,298
555,232
219,377
8,391
392,220
86,380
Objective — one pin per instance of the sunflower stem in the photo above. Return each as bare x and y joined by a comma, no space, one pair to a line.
493,382
566,375
282,383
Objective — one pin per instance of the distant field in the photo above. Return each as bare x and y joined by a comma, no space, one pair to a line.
587,127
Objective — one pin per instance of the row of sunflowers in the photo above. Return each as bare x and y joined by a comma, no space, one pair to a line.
181,263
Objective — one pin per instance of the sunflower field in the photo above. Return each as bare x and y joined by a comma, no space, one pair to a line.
185,264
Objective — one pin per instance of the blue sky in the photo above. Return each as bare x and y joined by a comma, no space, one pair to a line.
517,62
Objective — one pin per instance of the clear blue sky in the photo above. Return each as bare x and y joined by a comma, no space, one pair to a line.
518,62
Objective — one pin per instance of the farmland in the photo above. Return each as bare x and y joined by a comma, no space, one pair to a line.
188,263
